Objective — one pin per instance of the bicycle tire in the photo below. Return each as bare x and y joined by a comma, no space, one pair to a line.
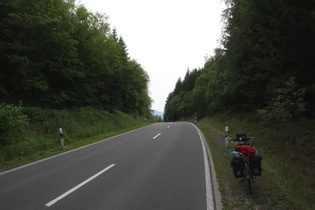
249,186
248,177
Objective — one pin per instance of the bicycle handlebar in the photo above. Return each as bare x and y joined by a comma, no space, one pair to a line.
242,139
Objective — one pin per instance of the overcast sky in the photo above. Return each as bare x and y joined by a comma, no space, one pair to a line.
166,37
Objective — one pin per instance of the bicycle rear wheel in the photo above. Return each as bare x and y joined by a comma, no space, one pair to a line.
249,186
248,177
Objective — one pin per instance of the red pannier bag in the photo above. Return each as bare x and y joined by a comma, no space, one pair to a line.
247,150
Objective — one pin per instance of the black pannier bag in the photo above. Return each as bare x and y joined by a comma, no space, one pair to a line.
255,165
238,167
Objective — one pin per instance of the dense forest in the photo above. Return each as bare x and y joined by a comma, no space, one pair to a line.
265,64
54,54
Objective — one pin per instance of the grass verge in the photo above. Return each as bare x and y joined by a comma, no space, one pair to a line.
287,181
81,126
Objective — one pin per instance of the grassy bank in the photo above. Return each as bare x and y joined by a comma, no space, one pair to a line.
81,126
287,181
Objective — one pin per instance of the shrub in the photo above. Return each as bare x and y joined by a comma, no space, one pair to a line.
13,123
288,103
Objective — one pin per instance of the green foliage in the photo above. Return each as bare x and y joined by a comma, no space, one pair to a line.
180,102
288,153
54,54
13,124
288,103
157,118
40,138
264,44
78,123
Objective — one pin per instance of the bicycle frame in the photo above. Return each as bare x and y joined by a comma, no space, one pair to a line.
247,173
243,140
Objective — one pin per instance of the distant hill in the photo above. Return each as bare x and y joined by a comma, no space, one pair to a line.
158,113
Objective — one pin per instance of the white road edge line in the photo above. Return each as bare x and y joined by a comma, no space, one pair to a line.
78,186
208,181
156,136
209,193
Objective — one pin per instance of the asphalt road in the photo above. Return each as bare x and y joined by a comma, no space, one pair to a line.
162,166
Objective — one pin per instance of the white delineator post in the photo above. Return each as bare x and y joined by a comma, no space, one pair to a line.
226,136
62,141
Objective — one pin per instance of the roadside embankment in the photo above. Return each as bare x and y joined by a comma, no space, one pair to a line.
33,133
287,181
